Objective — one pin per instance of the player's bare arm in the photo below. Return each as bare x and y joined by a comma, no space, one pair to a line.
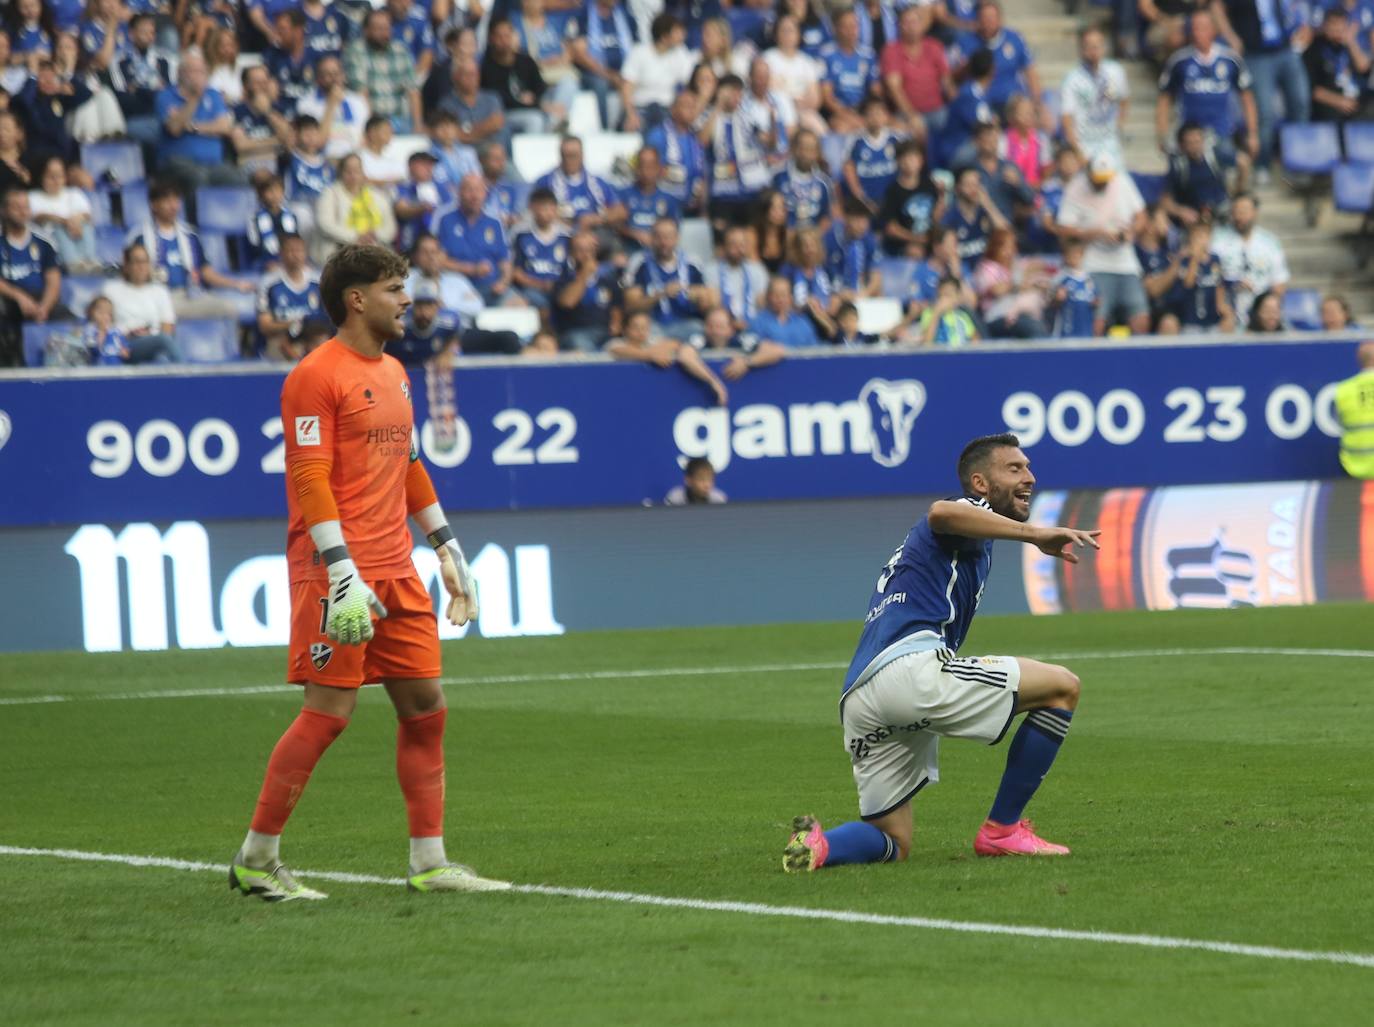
953,518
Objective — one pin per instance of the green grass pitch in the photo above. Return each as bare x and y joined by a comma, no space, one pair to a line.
1222,797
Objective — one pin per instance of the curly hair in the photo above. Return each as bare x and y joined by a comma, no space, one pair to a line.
354,265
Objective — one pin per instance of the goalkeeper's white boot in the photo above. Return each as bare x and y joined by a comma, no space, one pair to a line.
452,877
271,884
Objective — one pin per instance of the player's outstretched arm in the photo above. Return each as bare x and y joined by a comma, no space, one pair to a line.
423,503
947,517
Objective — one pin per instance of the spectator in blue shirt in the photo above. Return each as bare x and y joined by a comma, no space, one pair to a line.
419,198
601,36
43,105
1073,297
1205,306
540,253
645,201
308,171
851,254
663,282
972,216
971,107
681,152
804,185
1270,36
584,201
871,166
290,62
410,26
1002,180
780,322
287,301
138,74
476,243
1200,81
30,279
588,300
1160,259
1195,188
1014,72
851,75
195,123
106,344
271,222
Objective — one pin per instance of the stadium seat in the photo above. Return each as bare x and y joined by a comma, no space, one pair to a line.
117,163
601,151
878,315
1352,187
695,240
226,209
1151,186
208,342
404,146
897,275
1302,309
36,338
134,205
584,118
534,154
1359,142
523,321
246,303
1312,149
109,244
216,247
79,290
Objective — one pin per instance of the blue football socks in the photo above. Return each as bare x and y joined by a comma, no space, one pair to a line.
858,842
1032,751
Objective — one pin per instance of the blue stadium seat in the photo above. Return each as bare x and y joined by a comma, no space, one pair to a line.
1151,186
1359,142
1352,187
117,163
109,244
101,213
245,302
216,247
226,209
134,201
79,290
36,339
1302,309
1312,149
208,342
897,275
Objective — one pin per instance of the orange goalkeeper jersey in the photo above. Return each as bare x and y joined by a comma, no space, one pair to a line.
349,416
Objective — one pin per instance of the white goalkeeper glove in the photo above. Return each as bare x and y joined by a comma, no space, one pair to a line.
459,582
351,605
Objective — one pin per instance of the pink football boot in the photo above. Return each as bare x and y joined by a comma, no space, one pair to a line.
1017,839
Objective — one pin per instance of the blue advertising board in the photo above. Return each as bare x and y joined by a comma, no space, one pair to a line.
125,446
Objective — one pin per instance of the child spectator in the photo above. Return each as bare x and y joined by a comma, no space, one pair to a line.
851,254
1195,189
718,336
1024,144
105,343
418,198
639,343
272,221
1205,307
912,204
540,253
946,322
1160,259
63,214
872,163
698,485
1074,297
942,262
847,335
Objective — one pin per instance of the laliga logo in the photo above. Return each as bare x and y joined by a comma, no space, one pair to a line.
879,422
892,410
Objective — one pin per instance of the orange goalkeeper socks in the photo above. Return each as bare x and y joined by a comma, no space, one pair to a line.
420,769
295,756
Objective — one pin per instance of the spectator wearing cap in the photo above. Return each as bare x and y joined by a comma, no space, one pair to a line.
916,74
479,113
516,79
1337,67
383,70
476,243
664,283
430,331
418,198
645,201
584,200
341,112
540,253
1014,71
587,300
1271,36
1200,83
195,124
970,108
288,299
1103,209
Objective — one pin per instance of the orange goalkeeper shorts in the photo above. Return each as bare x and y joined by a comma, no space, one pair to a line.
405,644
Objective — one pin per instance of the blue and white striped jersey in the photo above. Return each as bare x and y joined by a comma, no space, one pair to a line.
925,599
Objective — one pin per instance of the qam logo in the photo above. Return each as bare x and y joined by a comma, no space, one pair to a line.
879,421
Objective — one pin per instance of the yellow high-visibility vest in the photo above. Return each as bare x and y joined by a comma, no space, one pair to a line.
1355,408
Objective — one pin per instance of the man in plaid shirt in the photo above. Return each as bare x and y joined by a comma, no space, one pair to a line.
383,70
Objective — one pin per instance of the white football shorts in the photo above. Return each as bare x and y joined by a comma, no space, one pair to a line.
894,720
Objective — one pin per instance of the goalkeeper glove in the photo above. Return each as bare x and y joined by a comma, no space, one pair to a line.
351,605
459,582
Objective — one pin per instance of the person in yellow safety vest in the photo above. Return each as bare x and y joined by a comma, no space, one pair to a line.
1355,408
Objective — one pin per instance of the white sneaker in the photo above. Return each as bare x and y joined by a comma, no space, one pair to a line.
271,884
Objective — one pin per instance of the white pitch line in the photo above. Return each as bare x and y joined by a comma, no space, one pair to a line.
672,672
760,909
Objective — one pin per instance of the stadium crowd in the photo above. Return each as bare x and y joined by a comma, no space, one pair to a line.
797,166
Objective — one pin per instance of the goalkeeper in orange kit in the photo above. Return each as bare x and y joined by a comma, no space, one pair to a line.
358,610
